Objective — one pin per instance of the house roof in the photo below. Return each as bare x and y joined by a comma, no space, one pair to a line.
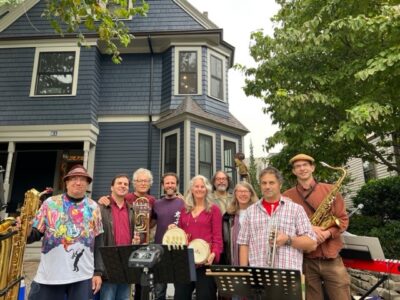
190,109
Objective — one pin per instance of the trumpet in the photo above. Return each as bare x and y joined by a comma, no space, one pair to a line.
272,236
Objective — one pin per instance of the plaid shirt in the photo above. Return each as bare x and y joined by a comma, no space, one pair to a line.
292,220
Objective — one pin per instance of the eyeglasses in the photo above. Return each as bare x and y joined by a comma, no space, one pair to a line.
221,179
242,191
146,181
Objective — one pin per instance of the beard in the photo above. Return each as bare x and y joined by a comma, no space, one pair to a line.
170,192
221,188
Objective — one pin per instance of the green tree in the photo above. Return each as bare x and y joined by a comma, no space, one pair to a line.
102,17
330,76
253,171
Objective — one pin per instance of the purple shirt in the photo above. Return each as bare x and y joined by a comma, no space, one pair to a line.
206,226
121,225
166,211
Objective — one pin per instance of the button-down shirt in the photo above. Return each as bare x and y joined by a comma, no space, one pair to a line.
290,218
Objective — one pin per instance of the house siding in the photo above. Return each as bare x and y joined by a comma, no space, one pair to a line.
130,93
166,80
18,108
123,148
162,16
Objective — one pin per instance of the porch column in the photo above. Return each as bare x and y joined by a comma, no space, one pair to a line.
11,151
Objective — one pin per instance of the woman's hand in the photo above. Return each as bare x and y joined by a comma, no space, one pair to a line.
210,259
172,226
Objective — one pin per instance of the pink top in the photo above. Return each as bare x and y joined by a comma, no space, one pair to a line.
206,226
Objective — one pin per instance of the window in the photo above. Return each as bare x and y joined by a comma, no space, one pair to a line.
216,82
55,73
188,66
216,71
170,154
369,170
205,155
229,160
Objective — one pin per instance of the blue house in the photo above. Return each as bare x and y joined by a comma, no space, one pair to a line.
165,108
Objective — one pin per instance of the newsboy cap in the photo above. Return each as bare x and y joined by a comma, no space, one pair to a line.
78,170
301,156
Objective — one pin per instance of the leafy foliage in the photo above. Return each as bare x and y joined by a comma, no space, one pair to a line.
330,77
381,213
380,197
253,172
103,17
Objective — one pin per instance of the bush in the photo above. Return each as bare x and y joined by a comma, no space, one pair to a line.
381,197
380,215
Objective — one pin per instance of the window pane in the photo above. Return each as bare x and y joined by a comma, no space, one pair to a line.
205,155
56,62
229,162
55,73
188,72
187,83
188,61
171,153
216,77
216,88
54,84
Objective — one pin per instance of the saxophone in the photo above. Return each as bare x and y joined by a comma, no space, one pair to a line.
323,216
13,247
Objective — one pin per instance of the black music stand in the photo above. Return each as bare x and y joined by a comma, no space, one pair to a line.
257,283
175,266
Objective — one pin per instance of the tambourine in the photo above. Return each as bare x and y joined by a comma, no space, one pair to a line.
175,236
201,250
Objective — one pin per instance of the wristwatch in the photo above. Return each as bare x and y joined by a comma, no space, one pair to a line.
289,241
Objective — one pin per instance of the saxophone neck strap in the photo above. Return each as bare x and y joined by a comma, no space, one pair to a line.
305,197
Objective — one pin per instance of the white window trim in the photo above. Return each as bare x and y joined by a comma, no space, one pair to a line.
39,50
164,136
224,87
199,69
199,131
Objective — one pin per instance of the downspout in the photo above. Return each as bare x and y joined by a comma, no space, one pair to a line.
149,133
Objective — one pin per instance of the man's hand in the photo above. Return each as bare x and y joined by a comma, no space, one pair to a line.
280,239
104,200
96,284
322,235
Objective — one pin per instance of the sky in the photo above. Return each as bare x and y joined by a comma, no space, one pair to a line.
238,19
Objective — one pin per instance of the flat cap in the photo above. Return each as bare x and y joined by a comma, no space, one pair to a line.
301,156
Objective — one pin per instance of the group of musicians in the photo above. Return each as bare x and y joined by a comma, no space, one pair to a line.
239,229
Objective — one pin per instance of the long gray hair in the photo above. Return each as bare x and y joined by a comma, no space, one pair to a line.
189,199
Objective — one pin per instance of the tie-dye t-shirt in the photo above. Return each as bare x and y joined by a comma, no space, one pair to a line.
69,230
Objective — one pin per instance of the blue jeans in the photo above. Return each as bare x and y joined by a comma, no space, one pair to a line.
115,291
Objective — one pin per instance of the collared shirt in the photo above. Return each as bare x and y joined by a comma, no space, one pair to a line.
332,246
290,218
120,219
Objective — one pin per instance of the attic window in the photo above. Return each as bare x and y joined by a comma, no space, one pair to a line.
55,73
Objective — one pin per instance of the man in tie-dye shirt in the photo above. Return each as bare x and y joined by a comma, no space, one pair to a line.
69,224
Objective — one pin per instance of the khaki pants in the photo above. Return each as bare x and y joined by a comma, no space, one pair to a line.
330,271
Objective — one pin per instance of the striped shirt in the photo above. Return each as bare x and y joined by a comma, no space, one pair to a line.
291,219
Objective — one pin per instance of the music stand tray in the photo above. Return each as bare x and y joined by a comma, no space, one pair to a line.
260,283
176,265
